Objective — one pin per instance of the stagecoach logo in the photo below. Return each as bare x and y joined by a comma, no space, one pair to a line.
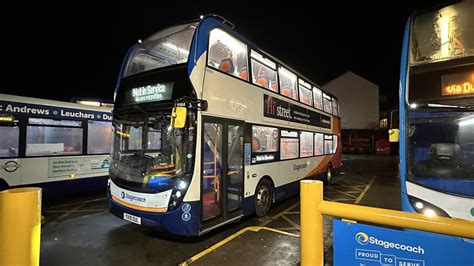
10,166
363,239
298,167
132,198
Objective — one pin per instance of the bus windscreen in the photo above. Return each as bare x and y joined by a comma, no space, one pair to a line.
443,34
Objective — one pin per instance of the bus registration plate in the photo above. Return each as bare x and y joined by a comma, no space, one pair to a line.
132,218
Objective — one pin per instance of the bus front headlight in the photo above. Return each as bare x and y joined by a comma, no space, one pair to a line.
426,208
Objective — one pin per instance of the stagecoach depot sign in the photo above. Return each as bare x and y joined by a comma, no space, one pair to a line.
152,93
282,110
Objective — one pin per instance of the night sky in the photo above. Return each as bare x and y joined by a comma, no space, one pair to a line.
76,51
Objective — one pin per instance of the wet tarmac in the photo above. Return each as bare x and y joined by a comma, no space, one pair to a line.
81,231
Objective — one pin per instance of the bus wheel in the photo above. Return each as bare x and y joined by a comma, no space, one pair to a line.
3,185
328,176
263,197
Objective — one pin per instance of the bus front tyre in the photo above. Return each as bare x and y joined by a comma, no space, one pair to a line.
263,198
3,185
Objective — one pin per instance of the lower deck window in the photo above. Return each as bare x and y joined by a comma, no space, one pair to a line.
318,144
46,140
328,144
264,139
99,137
306,140
289,148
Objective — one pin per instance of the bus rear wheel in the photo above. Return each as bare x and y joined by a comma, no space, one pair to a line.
263,197
328,176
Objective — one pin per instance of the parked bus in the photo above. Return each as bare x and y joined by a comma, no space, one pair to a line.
436,112
252,127
63,147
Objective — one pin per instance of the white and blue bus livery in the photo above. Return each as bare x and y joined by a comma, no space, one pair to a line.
436,112
63,147
254,127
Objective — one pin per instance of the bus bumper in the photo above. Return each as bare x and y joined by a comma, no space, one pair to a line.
184,220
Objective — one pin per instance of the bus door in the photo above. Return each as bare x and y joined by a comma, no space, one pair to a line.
10,164
222,170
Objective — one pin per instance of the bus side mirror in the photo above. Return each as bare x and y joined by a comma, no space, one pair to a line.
178,117
394,134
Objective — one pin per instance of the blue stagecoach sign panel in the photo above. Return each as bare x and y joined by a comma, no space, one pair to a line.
365,245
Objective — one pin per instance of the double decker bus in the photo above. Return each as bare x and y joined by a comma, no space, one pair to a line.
62,147
436,112
251,129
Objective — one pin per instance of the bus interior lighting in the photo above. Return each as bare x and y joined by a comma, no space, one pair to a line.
413,105
444,105
90,103
6,119
468,121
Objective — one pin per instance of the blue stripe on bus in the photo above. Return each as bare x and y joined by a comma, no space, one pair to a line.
122,68
205,26
422,115
202,32
457,186
72,187
52,111
403,79
175,221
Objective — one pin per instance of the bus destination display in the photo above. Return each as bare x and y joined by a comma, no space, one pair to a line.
457,83
152,93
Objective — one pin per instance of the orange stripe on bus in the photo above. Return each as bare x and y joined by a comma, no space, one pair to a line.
140,208
336,126
320,167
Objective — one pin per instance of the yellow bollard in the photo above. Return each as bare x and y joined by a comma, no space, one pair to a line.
312,248
20,226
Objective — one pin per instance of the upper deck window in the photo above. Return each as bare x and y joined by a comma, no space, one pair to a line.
327,103
317,98
335,107
306,96
167,47
227,54
263,72
288,83
443,34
